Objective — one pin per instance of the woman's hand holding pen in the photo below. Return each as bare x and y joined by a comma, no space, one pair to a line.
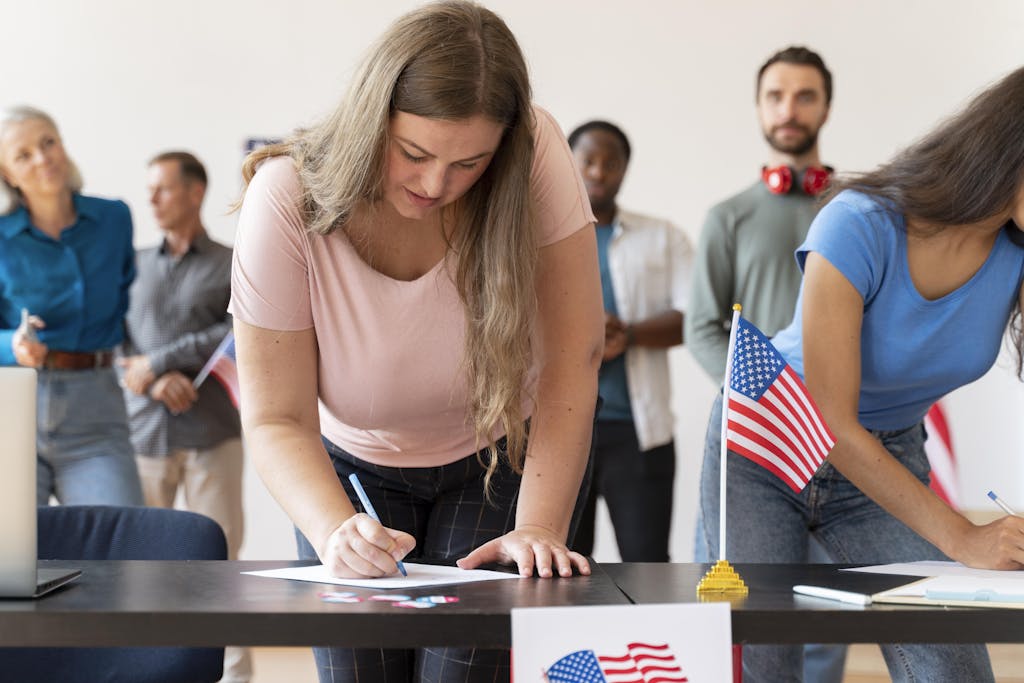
361,547
529,547
997,545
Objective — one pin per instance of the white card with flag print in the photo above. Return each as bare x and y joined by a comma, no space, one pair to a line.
683,643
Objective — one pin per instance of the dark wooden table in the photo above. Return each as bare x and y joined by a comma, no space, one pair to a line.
211,603
772,613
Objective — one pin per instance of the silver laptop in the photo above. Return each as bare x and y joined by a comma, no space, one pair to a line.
19,577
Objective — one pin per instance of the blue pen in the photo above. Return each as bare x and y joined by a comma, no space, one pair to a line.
999,501
368,506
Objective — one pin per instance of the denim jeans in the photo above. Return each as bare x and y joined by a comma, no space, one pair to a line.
768,522
84,455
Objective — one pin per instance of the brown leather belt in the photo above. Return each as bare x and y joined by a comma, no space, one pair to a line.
78,360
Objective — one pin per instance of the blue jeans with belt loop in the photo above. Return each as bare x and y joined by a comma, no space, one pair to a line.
768,522
84,455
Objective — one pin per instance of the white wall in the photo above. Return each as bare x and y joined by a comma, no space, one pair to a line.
128,78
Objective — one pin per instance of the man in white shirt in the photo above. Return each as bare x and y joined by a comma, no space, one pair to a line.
645,271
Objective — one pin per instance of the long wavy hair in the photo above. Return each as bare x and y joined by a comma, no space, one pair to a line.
968,170
448,60
10,197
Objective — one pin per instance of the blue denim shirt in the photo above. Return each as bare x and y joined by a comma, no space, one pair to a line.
78,284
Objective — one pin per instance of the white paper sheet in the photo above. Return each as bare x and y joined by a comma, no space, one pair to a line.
935,568
419,575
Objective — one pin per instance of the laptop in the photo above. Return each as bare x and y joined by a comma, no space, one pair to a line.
19,576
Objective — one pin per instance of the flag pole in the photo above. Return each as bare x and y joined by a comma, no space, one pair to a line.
724,450
722,581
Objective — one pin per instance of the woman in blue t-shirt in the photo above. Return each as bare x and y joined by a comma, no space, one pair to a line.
911,274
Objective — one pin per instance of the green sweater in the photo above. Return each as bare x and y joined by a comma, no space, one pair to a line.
745,256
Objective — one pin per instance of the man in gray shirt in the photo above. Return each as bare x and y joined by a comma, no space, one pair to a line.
183,437
745,252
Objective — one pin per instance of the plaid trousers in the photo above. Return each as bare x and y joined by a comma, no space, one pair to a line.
444,508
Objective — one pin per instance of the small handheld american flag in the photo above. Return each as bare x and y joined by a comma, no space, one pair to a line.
221,365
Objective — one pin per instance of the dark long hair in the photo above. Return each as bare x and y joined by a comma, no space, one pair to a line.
968,170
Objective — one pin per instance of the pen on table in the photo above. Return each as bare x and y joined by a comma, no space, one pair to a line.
368,506
833,594
999,501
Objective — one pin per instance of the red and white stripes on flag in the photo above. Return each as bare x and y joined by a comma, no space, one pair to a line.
939,448
642,663
771,419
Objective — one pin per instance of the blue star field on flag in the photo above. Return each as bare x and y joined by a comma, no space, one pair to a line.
756,363
577,667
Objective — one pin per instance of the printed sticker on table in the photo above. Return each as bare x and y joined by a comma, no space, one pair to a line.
415,604
438,599
689,643
388,597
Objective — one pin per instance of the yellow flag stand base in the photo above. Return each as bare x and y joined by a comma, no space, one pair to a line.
721,580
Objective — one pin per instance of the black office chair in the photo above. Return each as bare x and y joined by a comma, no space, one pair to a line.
120,533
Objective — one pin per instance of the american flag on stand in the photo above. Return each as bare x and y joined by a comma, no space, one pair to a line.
772,420
222,366
939,449
642,663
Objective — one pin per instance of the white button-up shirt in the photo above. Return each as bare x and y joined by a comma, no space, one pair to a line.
649,261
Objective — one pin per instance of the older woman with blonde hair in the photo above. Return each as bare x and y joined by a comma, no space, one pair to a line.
68,259
416,300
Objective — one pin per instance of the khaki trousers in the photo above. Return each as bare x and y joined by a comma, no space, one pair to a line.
211,481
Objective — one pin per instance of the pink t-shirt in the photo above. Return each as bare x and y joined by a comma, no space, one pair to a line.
391,388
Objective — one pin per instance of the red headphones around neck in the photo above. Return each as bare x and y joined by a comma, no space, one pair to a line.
813,180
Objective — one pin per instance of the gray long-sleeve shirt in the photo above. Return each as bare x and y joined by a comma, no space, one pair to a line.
177,316
745,256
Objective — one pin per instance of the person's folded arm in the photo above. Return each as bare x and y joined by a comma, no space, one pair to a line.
659,331
189,351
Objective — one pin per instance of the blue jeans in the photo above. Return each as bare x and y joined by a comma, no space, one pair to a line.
84,455
768,522
822,663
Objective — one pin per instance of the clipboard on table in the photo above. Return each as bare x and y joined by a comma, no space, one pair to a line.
957,591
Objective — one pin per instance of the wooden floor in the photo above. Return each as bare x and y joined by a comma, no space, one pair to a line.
864,665
282,665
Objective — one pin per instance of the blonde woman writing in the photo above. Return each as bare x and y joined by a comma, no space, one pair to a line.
415,288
